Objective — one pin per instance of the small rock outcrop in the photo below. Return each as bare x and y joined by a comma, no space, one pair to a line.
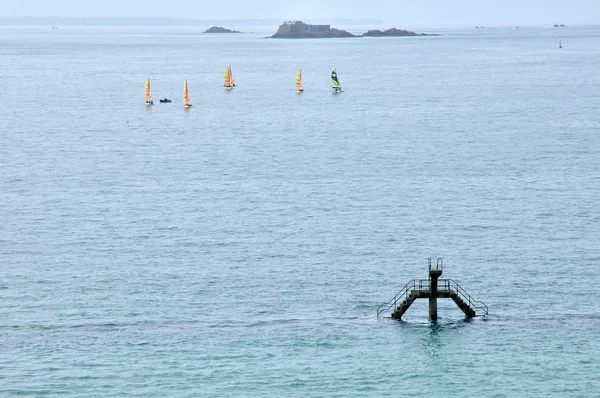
393,32
220,29
300,30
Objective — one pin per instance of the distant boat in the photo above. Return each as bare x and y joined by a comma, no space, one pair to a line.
187,103
560,44
299,86
337,86
229,82
148,93
164,101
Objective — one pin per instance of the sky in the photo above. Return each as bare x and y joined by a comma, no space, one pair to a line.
400,13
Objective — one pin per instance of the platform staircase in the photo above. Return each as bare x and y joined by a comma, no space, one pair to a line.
425,289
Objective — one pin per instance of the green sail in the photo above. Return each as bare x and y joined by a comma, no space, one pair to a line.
334,79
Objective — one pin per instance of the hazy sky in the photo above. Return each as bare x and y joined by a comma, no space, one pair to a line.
403,13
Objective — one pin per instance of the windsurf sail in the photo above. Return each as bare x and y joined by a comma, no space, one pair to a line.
148,92
299,81
334,79
186,94
229,82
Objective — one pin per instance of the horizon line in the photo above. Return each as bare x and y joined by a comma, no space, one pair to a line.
158,21
182,20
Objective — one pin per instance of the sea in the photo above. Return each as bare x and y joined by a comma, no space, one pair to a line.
241,248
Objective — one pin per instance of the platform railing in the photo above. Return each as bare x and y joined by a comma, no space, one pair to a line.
438,266
422,285
452,286
416,284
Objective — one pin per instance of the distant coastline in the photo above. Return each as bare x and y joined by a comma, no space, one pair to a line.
161,21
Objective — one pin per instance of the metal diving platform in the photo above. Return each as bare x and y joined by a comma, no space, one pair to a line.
432,289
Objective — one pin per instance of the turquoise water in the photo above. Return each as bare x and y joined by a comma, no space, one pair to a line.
241,248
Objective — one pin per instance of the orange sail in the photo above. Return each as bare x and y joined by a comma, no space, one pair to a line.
299,81
148,92
186,95
229,82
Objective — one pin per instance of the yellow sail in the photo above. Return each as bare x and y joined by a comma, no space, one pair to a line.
229,82
148,91
299,81
186,95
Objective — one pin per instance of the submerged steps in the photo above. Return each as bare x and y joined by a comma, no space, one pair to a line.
405,305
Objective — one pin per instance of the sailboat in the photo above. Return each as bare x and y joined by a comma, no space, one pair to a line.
560,44
148,93
187,103
337,86
299,86
229,82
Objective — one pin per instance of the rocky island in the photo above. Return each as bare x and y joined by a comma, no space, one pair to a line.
219,29
393,32
300,30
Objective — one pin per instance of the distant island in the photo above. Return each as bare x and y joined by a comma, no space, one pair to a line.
219,29
300,30
393,32
558,26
